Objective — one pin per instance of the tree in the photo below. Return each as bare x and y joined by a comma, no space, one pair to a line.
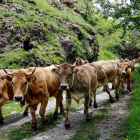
125,12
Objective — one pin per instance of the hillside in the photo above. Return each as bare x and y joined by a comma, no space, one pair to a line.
62,30
59,29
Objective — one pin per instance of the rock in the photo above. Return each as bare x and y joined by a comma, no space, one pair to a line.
67,45
68,3
12,9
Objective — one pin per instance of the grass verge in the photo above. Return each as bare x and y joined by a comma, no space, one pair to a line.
131,129
87,130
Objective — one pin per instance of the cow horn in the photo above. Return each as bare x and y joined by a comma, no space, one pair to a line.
30,73
10,73
56,65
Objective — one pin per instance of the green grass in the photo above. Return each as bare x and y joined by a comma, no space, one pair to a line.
131,129
87,130
10,106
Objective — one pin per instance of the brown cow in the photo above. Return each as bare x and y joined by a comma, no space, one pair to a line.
3,98
101,75
79,82
132,64
126,75
37,86
6,93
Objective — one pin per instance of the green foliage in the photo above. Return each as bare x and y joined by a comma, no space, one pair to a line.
87,131
78,49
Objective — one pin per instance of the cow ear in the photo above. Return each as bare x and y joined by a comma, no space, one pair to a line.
86,61
6,78
76,70
31,78
130,65
55,71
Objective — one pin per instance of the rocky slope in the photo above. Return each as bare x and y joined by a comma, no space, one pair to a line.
59,28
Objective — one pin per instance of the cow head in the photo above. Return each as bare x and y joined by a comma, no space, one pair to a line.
66,74
20,80
80,61
125,66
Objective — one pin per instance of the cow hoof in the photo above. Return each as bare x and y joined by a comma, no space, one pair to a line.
25,114
129,90
67,126
111,101
1,122
33,128
95,106
90,104
55,117
61,111
117,98
88,120
84,111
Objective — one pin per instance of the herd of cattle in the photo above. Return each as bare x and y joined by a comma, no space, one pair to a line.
80,80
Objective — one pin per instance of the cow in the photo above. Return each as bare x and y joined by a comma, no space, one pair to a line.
113,71
3,98
101,75
36,85
132,64
126,75
6,93
125,60
79,82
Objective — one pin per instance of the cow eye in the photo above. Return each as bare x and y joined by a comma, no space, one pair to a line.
12,83
25,83
70,74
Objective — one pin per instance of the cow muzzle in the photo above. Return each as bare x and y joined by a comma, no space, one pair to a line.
18,98
64,87
123,73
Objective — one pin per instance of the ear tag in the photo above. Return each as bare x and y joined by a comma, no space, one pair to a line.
75,73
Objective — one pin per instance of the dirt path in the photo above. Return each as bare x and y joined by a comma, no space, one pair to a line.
116,112
16,120
106,127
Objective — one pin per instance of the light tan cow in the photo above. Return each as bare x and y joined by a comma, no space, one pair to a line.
101,75
79,82
113,71
37,86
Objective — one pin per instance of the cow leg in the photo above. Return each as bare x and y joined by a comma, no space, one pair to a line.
25,113
95,103
128,84
90,100
1,117
113,86
108,91
61,105
3,100
68,105
34,123
87,108
42,110
58,100
122,85
117,87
